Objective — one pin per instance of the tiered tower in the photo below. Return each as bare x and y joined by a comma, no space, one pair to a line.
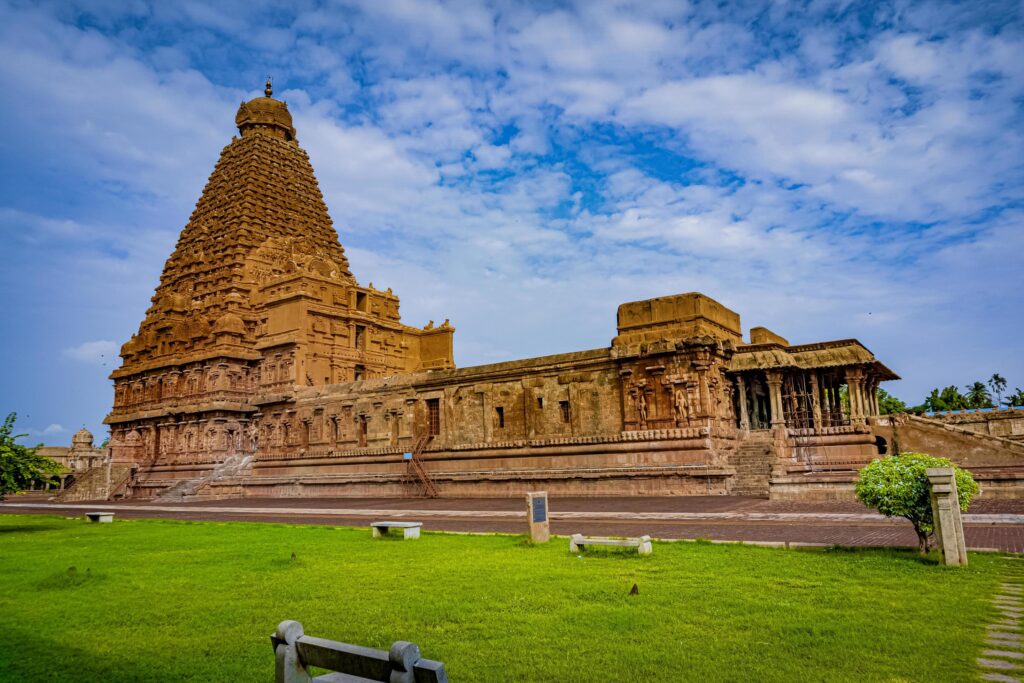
256,300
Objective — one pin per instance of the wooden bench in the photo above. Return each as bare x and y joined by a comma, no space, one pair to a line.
101,517
295,653
409,529
578,542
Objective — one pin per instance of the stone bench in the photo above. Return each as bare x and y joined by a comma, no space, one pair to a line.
578,542
409,529
101,517
296,653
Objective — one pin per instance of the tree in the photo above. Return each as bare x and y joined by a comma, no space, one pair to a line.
998,385
949,398
20,465
889,404
898,487
1015,399
977,396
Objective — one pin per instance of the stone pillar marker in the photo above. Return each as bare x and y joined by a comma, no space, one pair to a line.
949,526
537,516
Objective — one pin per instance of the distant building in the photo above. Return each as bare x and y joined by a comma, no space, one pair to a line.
79,458
263,367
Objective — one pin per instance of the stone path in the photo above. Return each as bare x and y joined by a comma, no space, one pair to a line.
1003,656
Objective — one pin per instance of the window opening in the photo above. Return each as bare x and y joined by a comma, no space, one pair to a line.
433,416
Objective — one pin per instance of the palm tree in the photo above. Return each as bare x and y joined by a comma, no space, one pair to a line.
1015,399
998,385
977,396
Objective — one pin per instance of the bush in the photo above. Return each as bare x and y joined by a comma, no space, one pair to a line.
20,465
898,487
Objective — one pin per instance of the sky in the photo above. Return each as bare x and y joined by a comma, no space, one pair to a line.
829,170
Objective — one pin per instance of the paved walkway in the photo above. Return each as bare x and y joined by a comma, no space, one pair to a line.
995,525
1002,659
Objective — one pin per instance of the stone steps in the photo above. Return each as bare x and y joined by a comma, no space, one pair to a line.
752,462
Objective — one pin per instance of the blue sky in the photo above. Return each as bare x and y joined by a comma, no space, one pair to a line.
826,169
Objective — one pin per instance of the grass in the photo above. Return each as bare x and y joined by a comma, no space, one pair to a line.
167,600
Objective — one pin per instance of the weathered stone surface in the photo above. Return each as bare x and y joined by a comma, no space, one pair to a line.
949,527
988,663
1008,654
538,516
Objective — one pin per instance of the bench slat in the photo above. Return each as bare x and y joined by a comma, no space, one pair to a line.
351,659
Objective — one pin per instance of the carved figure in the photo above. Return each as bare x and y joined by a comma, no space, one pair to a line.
679,404
641,406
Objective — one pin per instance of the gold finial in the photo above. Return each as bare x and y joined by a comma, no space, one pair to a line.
269,90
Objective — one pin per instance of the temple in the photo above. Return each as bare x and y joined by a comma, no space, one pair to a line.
263,368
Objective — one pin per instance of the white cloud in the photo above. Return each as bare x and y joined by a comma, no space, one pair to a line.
810,168
95,352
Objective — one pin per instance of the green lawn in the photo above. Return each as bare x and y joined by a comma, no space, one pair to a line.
163,600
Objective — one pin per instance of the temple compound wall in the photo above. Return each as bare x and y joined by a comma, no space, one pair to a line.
1006,423
263,368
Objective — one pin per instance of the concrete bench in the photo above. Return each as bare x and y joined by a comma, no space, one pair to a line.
101,517
578,542
296,653
409,529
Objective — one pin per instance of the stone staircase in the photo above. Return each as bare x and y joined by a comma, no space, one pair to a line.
753,461
98,483
186,488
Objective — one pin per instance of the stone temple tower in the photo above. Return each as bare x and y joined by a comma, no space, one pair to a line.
256,301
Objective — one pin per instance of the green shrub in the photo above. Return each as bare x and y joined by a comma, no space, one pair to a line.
20,465
898,487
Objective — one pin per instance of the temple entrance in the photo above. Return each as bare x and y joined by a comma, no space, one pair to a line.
759,407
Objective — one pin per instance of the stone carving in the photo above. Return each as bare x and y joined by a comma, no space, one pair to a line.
679,404
641,407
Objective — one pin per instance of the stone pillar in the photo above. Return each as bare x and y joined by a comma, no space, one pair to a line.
744,418
949,526
537,516
704,391
855,386
873,407
815,403
775,397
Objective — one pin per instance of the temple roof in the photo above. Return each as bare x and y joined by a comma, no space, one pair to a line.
265,113
261,216
842,353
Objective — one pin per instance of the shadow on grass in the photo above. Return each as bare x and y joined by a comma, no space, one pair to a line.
76,663
15,528
71,578
904,554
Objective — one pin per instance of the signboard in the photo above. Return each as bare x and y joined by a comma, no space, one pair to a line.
540,509
406,456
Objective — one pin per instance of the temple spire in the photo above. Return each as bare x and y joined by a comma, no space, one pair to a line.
269,90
